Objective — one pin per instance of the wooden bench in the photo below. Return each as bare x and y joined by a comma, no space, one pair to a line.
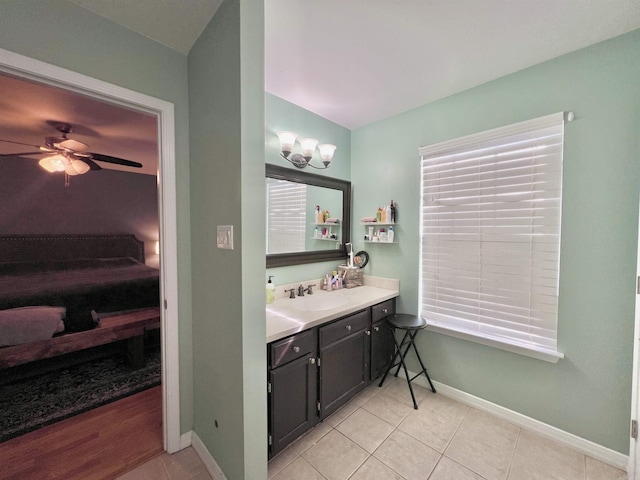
127,326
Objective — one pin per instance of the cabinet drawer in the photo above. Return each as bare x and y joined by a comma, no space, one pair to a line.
290,348
343,328
383,309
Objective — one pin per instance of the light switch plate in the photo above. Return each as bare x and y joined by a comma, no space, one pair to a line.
225,237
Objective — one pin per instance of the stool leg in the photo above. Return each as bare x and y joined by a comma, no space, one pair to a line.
393,361
406,350
406,374
424,369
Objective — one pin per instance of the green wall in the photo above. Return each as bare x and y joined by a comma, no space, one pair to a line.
62,34
283,115
588,393
226,116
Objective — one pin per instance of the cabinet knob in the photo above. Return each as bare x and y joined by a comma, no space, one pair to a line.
385,310
377,329
348,328
296,349
312,361
368,332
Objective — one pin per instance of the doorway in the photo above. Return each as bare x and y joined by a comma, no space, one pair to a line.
34,70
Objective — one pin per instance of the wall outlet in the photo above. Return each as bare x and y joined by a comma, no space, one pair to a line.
225,237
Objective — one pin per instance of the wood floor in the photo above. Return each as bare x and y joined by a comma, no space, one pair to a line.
99,444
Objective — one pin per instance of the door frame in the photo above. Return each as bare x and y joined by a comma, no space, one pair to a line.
29,68
633,467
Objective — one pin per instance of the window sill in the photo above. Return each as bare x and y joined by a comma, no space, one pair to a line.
546,355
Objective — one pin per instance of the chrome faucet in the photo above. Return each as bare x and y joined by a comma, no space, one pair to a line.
309,290
300,290
292,292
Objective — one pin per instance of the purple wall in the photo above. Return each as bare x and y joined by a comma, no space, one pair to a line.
105,201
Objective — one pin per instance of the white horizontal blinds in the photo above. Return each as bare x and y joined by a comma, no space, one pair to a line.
286,204
490,233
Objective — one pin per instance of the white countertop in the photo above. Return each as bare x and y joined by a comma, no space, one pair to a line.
287,316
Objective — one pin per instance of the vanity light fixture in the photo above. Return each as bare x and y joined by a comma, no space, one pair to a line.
302,160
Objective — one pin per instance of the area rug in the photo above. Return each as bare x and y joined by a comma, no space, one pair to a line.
32,403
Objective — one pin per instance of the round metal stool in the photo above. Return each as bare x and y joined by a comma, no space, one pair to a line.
411,324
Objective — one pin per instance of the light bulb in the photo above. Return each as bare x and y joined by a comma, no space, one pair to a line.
53,164
287,140
308,147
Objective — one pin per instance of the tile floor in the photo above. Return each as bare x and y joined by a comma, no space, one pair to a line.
184,465
379,436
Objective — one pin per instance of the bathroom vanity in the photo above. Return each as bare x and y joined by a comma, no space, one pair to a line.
322,350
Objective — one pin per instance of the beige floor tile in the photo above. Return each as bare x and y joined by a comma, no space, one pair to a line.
429,428
335,456
407,456
280,461
297,470
341,414
152,470
490,429
597,470
365,429
387,408
554,457
398,389
367,394
374,469
450,409
484,445
202,476
311,438
525,469
447,469
184,464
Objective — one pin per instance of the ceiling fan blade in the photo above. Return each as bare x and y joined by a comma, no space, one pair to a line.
20,154
20,143
119,161
93,165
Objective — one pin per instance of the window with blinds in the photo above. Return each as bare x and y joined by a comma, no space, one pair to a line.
286,218
490,236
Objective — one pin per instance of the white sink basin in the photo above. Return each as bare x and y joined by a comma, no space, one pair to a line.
319,303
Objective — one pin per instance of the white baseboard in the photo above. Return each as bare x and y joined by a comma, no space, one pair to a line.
579,444
209,462
185,440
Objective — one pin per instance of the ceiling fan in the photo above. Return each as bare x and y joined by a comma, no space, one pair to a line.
63,154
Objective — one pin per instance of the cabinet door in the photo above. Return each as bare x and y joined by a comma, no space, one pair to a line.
344,371
382,348
292,402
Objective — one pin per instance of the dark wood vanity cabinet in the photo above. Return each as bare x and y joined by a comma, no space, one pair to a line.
382,345
292,388
344,360
315,372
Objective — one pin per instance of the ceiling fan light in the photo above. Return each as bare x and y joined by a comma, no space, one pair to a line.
53,164
73,145
79,166
69,170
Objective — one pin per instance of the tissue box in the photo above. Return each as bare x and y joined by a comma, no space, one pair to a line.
351,276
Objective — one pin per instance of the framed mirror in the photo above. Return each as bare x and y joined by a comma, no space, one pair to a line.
295,233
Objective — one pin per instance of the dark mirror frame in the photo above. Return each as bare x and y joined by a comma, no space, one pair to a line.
299,258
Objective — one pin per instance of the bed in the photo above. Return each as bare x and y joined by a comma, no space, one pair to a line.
53,286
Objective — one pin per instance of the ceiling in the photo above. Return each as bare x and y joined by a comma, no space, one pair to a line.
358,61
351,61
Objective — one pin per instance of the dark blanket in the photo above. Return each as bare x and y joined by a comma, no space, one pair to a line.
81,285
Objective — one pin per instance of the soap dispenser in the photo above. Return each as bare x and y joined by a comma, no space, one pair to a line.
271,290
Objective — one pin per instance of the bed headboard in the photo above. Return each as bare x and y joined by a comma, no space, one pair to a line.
17,248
